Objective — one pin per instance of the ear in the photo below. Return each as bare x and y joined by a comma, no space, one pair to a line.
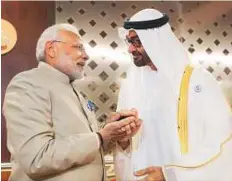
49,49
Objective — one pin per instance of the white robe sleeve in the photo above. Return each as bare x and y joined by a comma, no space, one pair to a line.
122,163
212,161
122,158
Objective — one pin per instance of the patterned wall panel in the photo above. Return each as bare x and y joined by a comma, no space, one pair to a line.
204,28
206,36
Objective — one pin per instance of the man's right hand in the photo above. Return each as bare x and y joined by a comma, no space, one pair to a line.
119,125
114,131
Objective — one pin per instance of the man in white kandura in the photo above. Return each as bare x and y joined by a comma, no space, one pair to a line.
186,130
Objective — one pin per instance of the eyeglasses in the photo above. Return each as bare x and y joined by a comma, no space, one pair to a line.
135,41
79,47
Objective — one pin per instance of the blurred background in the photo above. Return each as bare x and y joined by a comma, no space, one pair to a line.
204,29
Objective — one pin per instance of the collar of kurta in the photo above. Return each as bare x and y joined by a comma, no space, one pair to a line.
53,73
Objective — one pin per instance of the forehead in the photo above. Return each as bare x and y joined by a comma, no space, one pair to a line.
131,34
69,36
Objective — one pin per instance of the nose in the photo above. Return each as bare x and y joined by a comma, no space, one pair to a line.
131,48
85,56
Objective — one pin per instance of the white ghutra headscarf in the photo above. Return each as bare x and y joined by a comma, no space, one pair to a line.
155,93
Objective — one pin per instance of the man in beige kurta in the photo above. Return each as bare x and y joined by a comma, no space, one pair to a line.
52,132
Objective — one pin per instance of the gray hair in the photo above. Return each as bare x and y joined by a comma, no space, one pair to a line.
51,33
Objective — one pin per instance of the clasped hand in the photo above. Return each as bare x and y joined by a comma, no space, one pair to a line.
121,126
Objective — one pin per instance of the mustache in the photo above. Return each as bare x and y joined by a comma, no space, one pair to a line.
81,63
136,53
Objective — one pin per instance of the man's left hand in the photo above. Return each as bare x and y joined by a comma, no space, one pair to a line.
153,174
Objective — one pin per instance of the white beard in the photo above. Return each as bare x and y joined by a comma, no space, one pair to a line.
66,65
77,75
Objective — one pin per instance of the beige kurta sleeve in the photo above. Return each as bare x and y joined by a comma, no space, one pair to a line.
31,136
212,160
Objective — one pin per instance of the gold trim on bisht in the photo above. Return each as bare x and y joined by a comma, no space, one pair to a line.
183,110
